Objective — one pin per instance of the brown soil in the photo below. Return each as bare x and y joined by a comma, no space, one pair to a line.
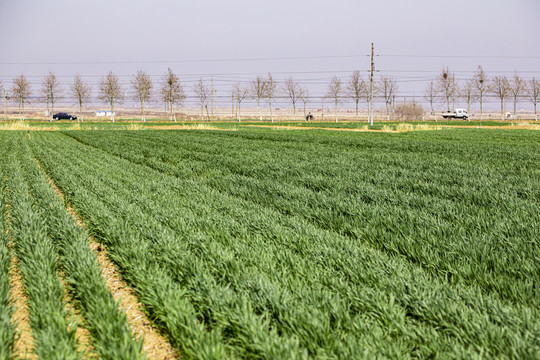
286,127
509,127
25,343
424,127
186,127
155,345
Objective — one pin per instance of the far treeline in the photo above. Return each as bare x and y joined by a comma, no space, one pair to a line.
443,89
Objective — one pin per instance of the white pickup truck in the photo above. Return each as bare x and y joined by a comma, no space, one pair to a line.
456,114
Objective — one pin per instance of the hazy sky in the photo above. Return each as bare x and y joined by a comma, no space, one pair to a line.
237,39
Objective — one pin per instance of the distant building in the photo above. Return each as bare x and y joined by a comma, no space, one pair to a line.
105,113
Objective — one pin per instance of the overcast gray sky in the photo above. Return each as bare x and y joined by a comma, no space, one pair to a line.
238,39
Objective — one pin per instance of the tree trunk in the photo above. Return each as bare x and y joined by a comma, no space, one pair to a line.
387,114
502,110
356,116
238,111
259,108
294,111
270,105
336,108
481,111
515,103
112,110
142,111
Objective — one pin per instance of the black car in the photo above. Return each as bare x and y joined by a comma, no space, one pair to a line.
60,116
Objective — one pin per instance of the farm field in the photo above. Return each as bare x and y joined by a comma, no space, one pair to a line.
256,243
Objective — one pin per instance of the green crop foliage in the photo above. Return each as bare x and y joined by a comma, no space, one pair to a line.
53,330
47,239
7,328
265,244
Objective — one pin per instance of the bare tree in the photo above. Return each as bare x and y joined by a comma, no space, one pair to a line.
304,97
202,92
110,91
445,85
534,94
240,93
356,88
431,95
258,89
334,91
468,94
481,87
292,89
271,88
387,87
410,111
21,91
50,89
172,92
142,89
80,91
518,89
501,88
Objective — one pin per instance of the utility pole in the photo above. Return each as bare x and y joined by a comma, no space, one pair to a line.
371,89
322,114
212,98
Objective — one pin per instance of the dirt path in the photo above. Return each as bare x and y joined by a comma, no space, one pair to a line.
24,345
404,127
155,345
287,127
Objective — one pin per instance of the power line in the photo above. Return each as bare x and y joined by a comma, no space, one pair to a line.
183,61
461,56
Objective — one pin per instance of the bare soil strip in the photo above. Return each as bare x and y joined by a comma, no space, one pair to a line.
186,127
24,345
287,127
412,128
155,345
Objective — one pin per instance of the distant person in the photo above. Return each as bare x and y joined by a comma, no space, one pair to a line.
309,116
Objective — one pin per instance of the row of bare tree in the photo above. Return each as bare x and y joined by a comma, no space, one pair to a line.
444,87
110,91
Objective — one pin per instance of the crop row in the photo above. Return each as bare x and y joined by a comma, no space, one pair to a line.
253,281
47,240
7,328
53,330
